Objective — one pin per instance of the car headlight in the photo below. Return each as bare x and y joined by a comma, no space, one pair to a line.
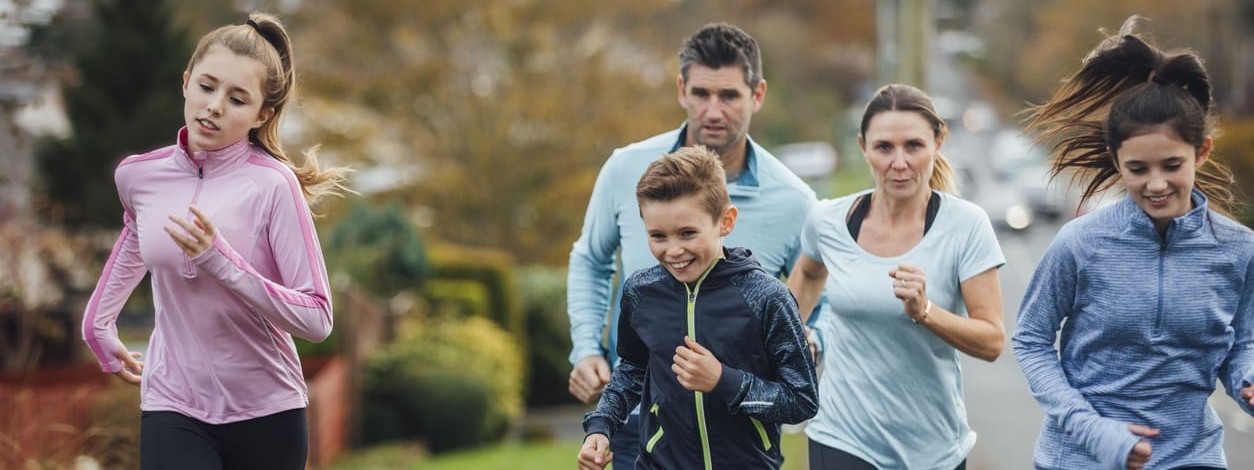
1018,217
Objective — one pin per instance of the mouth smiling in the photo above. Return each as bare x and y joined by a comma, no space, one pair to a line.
679,265
1158,200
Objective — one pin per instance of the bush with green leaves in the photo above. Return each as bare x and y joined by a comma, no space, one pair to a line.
453,381
380,252
491,268
379,248
543,290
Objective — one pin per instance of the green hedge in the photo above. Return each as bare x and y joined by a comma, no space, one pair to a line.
452,381
493,269
543,290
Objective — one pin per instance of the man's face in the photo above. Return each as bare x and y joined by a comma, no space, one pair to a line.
719,106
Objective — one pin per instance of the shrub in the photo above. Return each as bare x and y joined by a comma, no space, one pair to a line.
456,297
379,249
492,268
453,381
1236,147
376,250
543,290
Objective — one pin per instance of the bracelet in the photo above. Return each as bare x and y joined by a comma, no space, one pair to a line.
927,310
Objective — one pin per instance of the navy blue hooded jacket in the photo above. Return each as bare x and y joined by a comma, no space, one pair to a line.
749,321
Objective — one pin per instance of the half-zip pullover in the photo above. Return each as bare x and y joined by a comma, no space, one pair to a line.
749,321
1148,324
221,350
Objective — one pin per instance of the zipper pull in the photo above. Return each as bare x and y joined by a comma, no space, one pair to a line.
200,172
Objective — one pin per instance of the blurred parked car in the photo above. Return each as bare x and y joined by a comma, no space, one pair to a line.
809,160
1023,164
1007,205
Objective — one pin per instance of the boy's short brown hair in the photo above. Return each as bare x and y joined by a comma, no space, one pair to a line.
689,171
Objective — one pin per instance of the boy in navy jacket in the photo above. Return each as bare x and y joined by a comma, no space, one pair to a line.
711,345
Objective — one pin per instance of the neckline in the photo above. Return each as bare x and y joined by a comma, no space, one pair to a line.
927,234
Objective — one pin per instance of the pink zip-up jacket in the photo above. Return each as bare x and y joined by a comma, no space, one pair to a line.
222,348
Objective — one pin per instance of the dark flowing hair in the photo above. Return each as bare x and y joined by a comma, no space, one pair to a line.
1125,88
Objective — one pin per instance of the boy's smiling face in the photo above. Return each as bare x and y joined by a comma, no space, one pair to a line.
684,236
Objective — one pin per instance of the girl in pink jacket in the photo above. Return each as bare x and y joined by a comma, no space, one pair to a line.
221,221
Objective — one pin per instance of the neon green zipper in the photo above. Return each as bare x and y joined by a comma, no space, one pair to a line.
766,441
657,436
692,333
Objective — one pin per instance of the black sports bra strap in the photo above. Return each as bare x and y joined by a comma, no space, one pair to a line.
863,205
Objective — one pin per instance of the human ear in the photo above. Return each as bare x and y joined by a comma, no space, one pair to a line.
1203,152
759,95
682,93
728,221
263,116
187,76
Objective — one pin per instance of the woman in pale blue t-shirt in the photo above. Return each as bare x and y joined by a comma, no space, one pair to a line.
911,277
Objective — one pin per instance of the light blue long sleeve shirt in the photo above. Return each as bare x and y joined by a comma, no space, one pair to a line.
1148,325
773,203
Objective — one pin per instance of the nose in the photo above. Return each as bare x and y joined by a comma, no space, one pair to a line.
214,106
899,160
1156,184
674,250
714,109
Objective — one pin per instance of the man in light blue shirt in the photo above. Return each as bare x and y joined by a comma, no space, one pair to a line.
720,87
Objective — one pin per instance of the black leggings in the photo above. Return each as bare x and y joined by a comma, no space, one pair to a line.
169,440
826,458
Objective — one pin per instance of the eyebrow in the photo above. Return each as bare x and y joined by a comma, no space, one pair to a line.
912,140
242,90
721,91
1171,159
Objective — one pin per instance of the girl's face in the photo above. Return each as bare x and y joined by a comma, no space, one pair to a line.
222,99
900,147
1158,169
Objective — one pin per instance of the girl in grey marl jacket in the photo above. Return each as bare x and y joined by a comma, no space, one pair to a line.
1154,295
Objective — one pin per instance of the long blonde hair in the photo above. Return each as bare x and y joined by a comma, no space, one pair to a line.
264,38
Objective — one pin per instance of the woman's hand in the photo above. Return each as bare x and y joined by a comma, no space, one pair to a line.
595,453
910,285
195,238
1142,451
132,367
1247,394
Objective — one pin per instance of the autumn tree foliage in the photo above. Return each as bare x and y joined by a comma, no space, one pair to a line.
497,114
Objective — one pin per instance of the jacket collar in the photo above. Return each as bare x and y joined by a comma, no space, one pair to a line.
211,162
735,260
1185,225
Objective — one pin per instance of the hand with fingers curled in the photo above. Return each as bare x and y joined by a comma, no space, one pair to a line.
589,377
910,285
196,236
1142,451
132,367
595,453
696,367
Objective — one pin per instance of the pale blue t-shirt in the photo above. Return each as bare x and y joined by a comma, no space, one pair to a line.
891,391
